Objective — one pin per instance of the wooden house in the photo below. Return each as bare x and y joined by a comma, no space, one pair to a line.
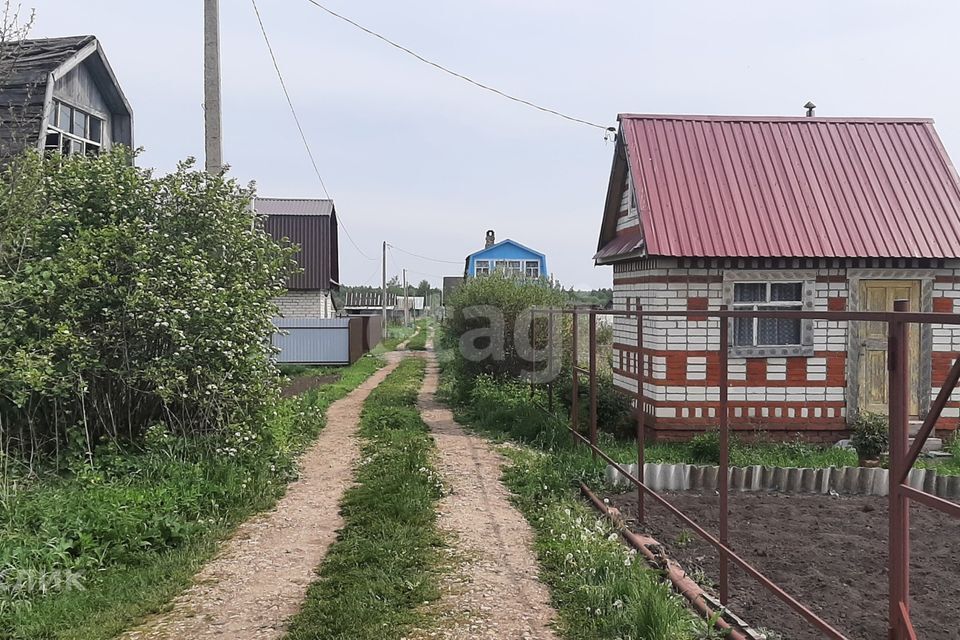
60,94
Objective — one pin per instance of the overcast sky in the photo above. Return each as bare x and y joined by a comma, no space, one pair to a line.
428,163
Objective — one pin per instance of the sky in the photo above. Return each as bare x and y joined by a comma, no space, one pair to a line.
428,163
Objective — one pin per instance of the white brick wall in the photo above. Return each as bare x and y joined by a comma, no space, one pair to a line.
306,304
679,334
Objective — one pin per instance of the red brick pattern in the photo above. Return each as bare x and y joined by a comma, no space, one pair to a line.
943,305
838,303
697,304
756,376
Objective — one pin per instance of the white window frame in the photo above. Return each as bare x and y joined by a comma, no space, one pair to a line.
84,142
514,268
481,267
536,268
806,278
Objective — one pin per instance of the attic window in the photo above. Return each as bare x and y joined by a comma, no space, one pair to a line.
74,131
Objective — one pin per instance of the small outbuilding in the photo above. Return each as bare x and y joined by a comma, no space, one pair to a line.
764,213
311,224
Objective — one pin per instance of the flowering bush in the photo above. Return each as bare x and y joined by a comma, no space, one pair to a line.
128,300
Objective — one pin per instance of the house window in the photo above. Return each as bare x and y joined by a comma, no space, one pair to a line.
532,269
74,131
767,296
514,268
481,267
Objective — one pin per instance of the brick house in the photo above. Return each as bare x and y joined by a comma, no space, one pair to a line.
779,213
311,224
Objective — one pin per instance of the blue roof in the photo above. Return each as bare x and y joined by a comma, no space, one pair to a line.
504,242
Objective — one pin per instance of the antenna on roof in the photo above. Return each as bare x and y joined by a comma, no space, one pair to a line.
810,107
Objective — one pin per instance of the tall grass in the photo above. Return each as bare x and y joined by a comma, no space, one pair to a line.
382,566
134,527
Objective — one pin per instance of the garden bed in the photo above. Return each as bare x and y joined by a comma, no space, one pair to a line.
828,552
301,384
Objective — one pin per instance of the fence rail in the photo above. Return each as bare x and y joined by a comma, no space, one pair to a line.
901,460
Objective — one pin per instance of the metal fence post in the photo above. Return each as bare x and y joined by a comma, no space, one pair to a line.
550,325
533,350
575,389
724,479
593,378
898,368
641,417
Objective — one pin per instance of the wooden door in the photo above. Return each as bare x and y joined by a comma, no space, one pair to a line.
879,295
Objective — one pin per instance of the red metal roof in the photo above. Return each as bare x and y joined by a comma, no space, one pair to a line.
716,186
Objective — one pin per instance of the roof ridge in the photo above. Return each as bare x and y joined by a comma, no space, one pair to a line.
757,118
292,199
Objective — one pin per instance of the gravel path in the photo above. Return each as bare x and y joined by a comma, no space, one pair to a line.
260,578
492,590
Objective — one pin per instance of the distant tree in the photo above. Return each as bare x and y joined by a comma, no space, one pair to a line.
423,289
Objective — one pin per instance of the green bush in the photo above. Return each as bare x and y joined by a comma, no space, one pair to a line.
870,435
614,410
478,306
704,448
129,300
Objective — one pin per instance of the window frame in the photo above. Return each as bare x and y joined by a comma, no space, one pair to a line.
526,268
83,144
481,267
807,281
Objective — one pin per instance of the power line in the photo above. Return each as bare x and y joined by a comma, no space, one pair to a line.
454,73
417,255
296,118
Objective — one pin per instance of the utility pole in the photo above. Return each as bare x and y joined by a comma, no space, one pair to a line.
213,143
384,287
406,301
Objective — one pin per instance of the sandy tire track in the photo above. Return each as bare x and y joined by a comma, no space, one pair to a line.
260,577
492,590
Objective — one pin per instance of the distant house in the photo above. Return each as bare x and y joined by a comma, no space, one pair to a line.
509,256
312,225
60,94
779,213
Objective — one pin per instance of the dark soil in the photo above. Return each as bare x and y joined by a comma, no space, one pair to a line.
830,553
301,384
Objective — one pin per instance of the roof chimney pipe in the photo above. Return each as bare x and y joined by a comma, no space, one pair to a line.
491,239
810,107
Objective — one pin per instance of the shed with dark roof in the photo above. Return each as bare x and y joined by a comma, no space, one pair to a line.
60,94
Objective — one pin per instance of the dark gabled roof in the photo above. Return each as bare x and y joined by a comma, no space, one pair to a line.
293,206
718,186
36,59
311,224
25,69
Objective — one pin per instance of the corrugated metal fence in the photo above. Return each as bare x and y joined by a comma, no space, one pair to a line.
331,341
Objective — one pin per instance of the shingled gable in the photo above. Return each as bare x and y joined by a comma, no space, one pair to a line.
29,70
755,187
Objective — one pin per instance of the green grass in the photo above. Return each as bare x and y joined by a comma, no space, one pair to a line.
395,335
596,587
419,341
137,525
383,566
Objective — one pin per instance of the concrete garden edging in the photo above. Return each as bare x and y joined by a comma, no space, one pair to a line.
842,480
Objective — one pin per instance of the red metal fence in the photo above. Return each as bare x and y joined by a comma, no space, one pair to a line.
901,459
